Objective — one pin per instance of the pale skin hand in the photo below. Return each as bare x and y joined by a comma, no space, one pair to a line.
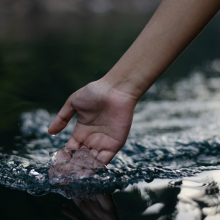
106,107
105,117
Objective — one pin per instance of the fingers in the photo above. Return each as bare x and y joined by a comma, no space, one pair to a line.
70,213
77,201
73,143
106,201
78,137
63,117
105,156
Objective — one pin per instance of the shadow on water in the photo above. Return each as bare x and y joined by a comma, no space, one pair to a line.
21,205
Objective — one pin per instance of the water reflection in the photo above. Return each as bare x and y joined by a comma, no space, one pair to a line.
153,200
190,198
136,202
193,198
199,197
99,207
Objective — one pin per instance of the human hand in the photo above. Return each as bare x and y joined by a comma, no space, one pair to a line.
104,121
99,207
66,164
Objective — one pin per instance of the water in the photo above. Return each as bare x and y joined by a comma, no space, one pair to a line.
169,166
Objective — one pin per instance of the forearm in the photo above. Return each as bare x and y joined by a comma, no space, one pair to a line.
172,28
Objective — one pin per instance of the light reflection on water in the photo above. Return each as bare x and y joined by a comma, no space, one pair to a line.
192,197
188,198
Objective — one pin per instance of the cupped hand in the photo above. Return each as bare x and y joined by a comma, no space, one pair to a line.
104,119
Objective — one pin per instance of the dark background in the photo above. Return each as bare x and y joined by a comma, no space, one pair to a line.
49,49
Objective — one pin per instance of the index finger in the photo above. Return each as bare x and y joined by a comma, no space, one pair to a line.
62,118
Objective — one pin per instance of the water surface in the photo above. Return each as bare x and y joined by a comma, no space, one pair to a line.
169,165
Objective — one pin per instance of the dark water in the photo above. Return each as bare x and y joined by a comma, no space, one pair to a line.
169,166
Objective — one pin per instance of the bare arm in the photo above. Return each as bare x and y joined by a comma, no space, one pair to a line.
106,107
172,28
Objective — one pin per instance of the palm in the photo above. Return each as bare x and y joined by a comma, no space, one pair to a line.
104,121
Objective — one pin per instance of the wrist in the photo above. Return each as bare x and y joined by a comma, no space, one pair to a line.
130,84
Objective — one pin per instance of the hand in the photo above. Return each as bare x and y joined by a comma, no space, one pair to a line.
99,207
104,121
66,164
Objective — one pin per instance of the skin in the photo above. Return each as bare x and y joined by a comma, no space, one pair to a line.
98,208
105,107
73,163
